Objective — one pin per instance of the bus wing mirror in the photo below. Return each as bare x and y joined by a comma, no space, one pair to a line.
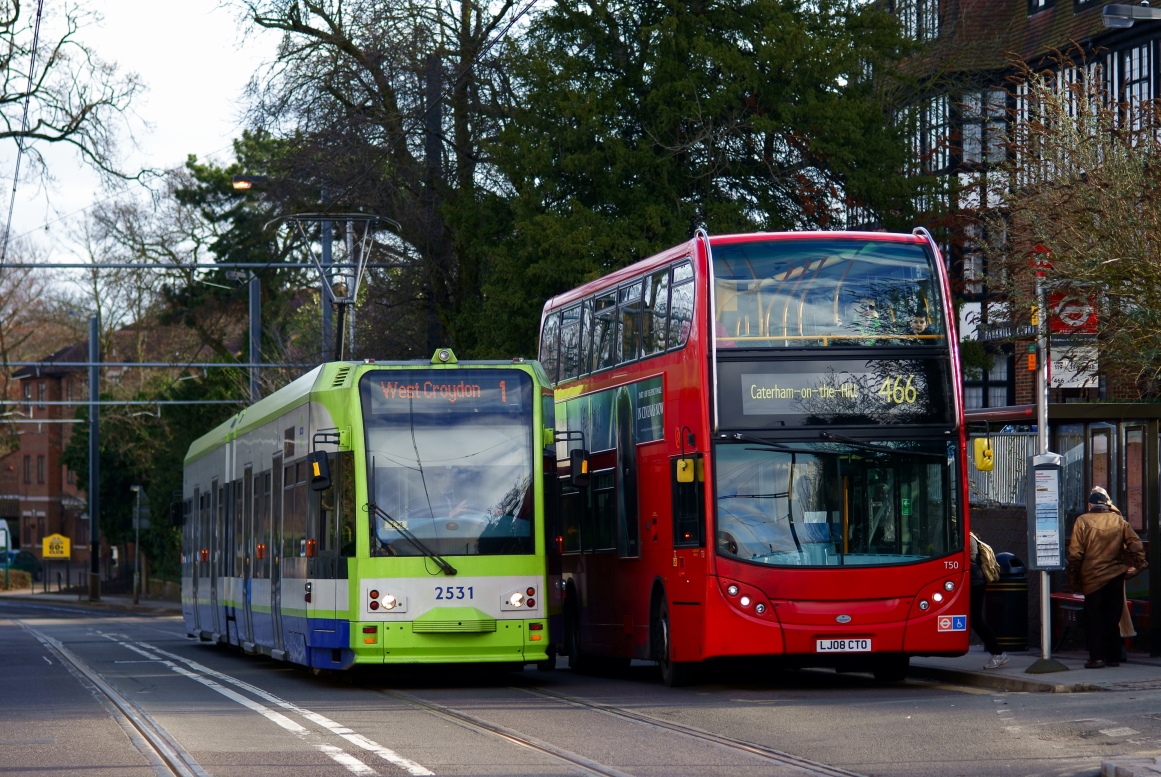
578,467
984,456
320,471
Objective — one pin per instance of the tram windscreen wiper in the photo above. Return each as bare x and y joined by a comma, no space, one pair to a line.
439,560
877,448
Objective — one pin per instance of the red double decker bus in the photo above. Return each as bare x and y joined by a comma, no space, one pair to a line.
771,431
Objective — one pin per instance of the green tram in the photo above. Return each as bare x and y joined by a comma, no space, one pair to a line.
376,513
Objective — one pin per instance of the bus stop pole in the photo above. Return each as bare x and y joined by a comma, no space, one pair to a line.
1042,448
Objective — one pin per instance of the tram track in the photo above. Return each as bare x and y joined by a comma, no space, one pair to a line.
171,754
802,766
769,754
572,759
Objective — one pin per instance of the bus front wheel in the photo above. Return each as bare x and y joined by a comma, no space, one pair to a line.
673,673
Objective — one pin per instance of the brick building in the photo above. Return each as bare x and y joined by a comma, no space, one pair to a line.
38,494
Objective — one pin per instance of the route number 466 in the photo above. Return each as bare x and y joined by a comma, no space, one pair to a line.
895,390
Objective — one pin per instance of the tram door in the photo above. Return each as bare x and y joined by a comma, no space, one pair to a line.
276,550
247,544
196,519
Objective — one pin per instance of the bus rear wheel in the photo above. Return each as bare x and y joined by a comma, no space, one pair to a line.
891,669
673,673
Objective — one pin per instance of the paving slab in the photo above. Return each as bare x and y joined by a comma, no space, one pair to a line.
1131,766
1139,672
124,603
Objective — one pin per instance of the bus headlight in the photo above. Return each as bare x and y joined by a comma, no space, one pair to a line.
744,601
949,586
732,590
923,605
937,597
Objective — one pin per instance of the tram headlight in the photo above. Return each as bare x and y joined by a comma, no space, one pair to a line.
949,585
923,605
516,599
389,602
732,590
937,597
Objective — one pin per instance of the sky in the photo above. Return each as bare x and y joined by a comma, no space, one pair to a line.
194,62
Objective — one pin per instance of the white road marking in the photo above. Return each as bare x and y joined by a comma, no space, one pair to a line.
352,764
411,767
46,659
1124,731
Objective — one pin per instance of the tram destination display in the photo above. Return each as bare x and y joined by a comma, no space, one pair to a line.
859,392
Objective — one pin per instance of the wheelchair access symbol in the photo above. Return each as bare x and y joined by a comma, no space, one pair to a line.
951,623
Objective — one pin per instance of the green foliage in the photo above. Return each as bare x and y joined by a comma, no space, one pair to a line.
974,359
637,122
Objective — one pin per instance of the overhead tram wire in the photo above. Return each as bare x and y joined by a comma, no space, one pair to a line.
23,129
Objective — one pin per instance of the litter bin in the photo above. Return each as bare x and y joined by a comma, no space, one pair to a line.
1006,603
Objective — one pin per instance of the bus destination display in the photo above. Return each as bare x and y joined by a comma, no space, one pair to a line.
434,391
894,391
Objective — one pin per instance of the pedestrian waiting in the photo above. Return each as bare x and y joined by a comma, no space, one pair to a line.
1103,552
984,569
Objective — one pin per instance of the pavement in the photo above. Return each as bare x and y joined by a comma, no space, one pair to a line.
116,602
1139,673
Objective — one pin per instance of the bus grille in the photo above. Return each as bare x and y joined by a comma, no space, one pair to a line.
444,627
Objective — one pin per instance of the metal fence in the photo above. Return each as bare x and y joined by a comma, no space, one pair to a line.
1005,485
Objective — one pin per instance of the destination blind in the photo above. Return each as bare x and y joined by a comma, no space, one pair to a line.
444,391
776,393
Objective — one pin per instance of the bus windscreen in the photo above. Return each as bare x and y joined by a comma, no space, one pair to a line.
815,292
837,503
450,458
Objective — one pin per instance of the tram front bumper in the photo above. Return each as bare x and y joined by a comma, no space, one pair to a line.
404,643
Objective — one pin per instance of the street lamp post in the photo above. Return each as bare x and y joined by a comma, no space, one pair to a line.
136,545
1122,16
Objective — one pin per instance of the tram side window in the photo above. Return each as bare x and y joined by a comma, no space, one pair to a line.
294,510
630,307
239,530
604,510
570,343
261,555
217,552
656,310
605,340
688,502
680,309
548,352
346,503
204,534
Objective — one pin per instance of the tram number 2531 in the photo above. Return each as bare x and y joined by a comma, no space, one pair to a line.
899,389
454,592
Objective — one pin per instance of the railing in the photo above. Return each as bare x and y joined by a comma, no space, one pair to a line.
1005,485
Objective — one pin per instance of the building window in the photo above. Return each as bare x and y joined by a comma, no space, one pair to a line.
1036,6
70,476
918,18
27,469
40,394
40,469
984,124
992,388
27,397
1136,85
68,391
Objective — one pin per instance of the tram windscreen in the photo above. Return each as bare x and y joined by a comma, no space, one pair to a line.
837,504
449,456
814,292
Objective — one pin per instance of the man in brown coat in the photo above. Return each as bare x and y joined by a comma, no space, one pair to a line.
1102,552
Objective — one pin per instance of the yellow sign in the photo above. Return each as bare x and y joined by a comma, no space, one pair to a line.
57,546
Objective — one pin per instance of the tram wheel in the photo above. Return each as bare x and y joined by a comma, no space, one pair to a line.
892,669
673,673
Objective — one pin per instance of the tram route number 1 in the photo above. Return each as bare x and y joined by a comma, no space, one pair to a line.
843,646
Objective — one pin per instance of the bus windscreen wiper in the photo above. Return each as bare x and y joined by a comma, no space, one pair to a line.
439,560
877,448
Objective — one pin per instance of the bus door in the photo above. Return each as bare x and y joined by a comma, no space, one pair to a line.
686,590
275,551
247,545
